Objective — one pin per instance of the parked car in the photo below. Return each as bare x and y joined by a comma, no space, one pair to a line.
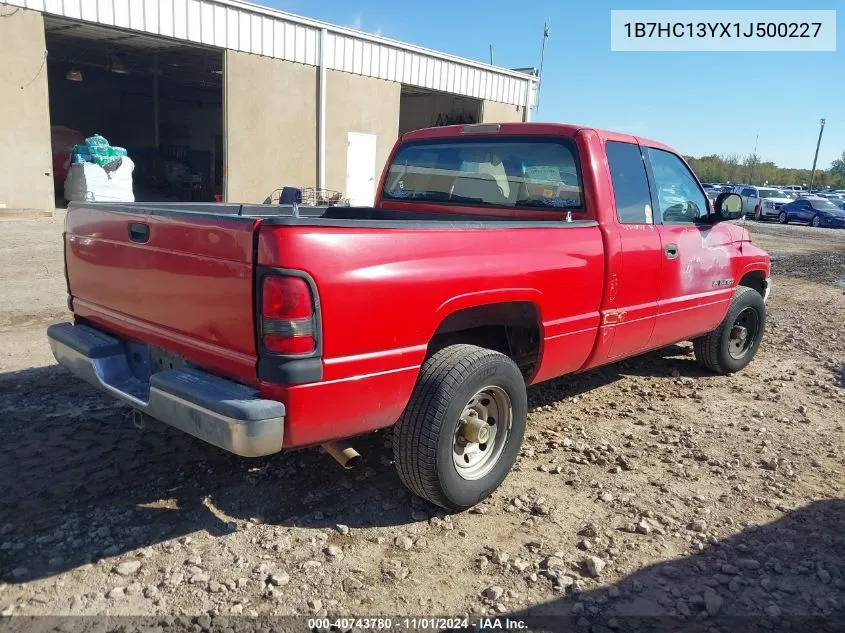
479,271
795,188
752,199
814,211
770,202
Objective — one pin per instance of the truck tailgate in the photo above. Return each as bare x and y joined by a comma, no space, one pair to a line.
182,281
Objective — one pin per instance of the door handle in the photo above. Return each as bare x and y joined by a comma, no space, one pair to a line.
671,251
139,232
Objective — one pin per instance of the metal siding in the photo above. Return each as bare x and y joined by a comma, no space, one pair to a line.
299,53
220,27
255,34
165,17
375,61
194,20
391,64
290,43
382,62
337,57
151,16
136,15
180,19
266,37
348,52
207,23
367,59
261,31
429,73
72,9
279,39
88,10
121,11
311,47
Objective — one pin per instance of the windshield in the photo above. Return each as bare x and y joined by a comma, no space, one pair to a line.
770,193
822,204
509,173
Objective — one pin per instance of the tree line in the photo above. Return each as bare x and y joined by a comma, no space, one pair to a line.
751,170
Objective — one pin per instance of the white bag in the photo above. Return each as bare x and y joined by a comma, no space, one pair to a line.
88,182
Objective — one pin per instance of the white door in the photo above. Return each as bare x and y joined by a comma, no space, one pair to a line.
361,169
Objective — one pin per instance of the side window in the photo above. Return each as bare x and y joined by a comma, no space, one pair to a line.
749,193
630,184
679,198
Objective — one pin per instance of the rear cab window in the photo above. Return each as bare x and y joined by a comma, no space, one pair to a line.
510,173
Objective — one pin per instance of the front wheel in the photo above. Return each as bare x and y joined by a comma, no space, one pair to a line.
461,431
783,218
732,345
816,221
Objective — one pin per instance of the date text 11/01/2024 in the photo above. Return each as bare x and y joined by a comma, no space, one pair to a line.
417,624
722,29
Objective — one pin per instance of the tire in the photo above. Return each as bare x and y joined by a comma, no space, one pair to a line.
783,218
758,214
714,350
816,221
426,439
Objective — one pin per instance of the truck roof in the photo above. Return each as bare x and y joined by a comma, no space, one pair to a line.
524,129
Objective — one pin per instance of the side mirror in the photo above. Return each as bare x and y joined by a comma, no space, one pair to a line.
728,206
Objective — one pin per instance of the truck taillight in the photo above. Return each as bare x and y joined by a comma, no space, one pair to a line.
288,324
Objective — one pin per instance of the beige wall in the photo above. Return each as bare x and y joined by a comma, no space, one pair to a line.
26,175
496,112
358,104
270,125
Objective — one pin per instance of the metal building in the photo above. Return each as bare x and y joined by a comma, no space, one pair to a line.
222,99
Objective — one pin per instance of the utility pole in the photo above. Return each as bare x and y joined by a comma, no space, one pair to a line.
491,54
546,33
816,158
753,161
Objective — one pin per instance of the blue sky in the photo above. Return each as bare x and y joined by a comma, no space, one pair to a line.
700,103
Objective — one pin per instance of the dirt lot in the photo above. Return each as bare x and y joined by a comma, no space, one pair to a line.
646,488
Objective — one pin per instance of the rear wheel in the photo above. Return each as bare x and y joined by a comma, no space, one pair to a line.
460,434
816,221
732,345
783,218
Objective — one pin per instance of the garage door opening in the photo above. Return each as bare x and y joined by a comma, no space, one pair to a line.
159,99
419,108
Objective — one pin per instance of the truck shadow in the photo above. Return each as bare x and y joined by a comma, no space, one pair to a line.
783,575
674,361
83,483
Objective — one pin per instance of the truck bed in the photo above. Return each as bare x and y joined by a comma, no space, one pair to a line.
385,282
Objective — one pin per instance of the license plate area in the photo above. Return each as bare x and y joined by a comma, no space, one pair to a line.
146,360
164,360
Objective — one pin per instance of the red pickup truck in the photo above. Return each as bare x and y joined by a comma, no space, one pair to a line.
495,257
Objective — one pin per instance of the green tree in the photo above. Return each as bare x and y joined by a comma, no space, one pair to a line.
837,168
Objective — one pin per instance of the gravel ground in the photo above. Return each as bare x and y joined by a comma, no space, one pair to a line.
646,488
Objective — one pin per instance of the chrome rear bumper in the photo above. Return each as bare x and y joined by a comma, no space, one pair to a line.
227,414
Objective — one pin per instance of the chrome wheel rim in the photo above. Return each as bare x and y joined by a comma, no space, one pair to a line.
743,333
482,432
782,217
816,221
